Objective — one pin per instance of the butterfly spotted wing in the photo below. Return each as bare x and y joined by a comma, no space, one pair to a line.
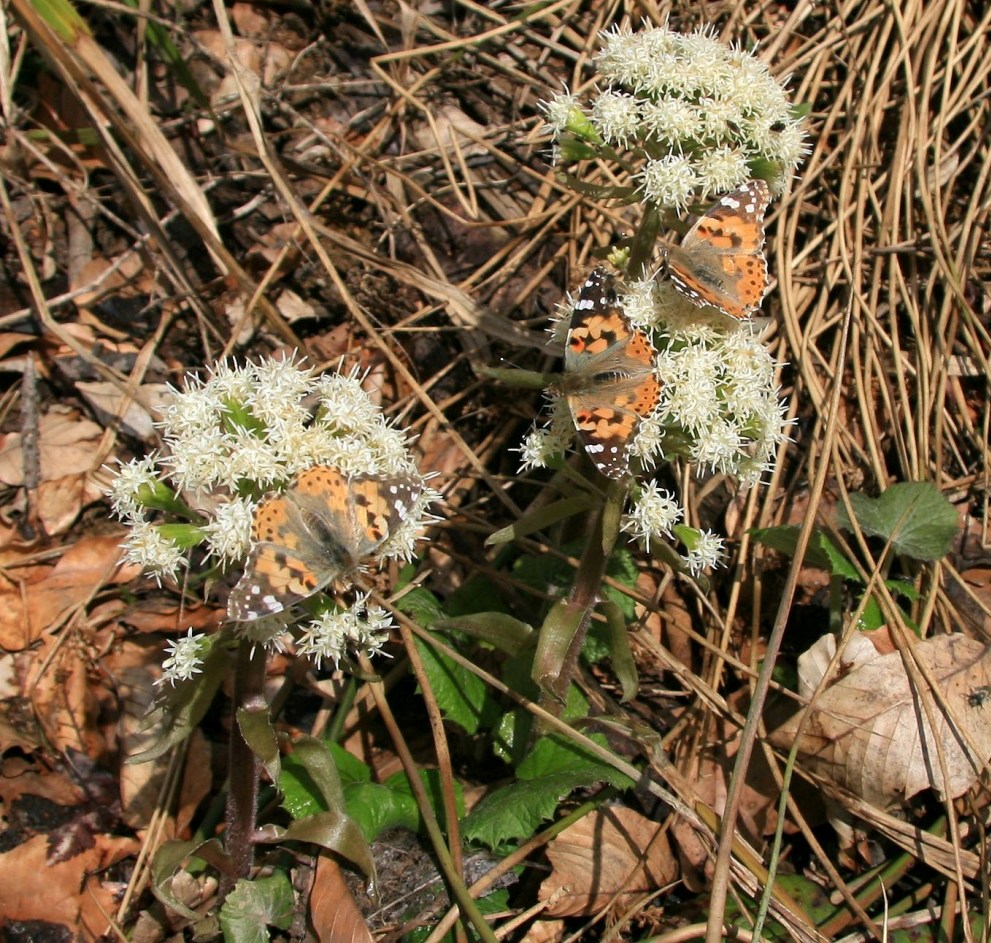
323,525
609,382
721,260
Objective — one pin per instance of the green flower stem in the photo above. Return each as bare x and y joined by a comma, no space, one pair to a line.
563,632
242,797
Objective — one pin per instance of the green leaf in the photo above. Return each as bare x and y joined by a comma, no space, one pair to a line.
555,768
515,811
256,728
310,781
334,831
376,807
432,784
555,754
620,653
542,518
462,696
255,905
821,552
913,516
422,606
498,629
184,706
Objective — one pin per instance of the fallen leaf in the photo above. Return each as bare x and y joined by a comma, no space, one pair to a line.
606,859
108,403
55,592
67,443
334,915
869,732
68,893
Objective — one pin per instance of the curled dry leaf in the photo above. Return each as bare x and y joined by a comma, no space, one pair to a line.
869,731
606,859
333,914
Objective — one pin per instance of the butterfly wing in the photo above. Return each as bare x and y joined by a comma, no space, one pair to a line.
721,260
321,526
357,515
285,565
609,383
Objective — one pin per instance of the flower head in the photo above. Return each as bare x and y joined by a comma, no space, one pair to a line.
233,442
693,116
336,634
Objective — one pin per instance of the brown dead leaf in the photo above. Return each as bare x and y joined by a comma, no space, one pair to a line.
108,403
43,595
66,703
135,667
67,442
161,614
606,859
334,916
250,20
59,502
545,931
870,734
33,889
708,772
21,777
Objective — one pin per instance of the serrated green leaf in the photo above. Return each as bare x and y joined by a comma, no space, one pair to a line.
554,768
376,807
555,753
913,516
515,811
255,905
462,696
422,606
871,617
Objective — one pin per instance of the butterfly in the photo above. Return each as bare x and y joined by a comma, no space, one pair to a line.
721,260
321,527
609,382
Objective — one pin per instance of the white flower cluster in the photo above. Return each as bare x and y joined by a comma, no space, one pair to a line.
695,115
335,633
236,435
718,409
185,659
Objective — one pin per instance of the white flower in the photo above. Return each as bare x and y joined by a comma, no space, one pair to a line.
184,659
146,546
707,553
560,112
673,121
617,118
669,181
721,169
228,533
137,475
336,634
693,114
653,513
